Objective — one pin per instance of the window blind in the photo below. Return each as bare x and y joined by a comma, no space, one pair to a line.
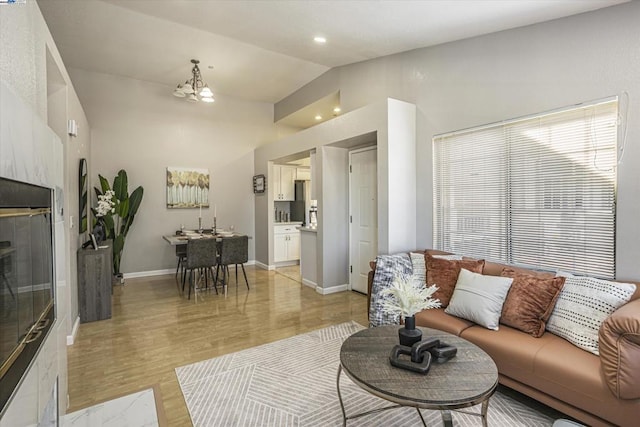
537,192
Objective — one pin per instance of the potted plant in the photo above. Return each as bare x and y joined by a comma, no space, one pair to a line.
406,297
116,211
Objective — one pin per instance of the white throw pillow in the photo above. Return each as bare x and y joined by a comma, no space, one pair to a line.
419,267
584,303
479,298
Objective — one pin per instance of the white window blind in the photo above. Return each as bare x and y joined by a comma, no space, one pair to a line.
537,192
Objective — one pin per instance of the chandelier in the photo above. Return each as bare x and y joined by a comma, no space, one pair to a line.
194,89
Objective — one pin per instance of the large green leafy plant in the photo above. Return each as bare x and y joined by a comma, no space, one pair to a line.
115,211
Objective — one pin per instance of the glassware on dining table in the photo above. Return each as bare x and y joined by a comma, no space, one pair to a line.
181,229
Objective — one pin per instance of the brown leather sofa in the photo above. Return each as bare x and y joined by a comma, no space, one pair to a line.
596,390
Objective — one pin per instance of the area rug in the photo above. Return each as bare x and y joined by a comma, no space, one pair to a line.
292,382
140,409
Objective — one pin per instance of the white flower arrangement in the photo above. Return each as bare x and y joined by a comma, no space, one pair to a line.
105,204
408,297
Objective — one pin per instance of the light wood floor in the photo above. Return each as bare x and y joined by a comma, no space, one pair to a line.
154,330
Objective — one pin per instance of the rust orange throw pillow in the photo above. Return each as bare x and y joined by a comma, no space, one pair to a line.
530,301
444,274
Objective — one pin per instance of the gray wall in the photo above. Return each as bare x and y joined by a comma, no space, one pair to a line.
507,75
138,126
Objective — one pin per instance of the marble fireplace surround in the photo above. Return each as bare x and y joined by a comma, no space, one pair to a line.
31,152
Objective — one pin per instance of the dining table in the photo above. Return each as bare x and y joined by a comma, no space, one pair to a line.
181,239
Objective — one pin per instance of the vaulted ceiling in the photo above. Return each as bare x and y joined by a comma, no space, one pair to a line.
264,50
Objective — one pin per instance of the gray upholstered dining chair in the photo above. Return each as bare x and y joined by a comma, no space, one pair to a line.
202,256
234,250
181,254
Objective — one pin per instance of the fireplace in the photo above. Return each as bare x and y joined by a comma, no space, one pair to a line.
26,278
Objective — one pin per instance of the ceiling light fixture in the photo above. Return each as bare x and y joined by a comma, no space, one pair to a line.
194,89
320,39
318,117
337,110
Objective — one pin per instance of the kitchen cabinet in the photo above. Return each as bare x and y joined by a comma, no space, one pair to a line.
283,182
303,174
286,240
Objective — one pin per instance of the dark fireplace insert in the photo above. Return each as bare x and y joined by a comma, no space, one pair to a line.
26,278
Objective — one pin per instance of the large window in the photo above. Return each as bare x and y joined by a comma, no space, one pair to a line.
537,192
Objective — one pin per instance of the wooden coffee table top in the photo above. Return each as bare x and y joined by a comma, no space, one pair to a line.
465,380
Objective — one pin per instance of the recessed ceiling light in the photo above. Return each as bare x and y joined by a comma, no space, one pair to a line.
336,110
320,39
318,117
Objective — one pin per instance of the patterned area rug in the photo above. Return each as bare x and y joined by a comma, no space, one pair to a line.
292,382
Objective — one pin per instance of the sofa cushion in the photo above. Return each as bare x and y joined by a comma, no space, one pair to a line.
574,376
479,298
436,318
513,351
584,303
530,301
444,274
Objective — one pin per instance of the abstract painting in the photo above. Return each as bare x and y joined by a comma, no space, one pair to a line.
187,188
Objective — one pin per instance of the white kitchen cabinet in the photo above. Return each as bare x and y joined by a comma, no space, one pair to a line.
283,182
286,240
303,174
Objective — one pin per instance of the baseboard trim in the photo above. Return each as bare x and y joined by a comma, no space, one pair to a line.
308,282
332,289
74,332
264,266
151,273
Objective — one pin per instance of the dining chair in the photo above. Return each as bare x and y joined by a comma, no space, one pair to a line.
181,253
233,251
201,256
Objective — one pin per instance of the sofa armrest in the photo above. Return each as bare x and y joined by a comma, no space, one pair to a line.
619,345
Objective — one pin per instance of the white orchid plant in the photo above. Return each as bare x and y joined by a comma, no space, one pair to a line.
106,204
407,296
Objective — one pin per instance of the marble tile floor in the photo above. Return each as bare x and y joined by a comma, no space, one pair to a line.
133,410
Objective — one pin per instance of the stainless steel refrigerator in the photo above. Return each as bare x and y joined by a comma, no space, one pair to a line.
302,202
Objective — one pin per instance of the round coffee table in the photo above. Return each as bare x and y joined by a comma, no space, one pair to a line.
468,379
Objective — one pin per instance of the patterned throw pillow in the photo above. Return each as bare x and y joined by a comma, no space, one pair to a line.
388,267
584,303
419,267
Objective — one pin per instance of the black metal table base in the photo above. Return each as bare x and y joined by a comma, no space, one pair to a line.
446,414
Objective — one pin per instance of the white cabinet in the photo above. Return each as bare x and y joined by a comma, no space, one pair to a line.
303,174
283,182
286,240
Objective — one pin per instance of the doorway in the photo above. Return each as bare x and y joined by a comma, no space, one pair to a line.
363,215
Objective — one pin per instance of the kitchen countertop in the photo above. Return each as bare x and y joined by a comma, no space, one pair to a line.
309,229
288,223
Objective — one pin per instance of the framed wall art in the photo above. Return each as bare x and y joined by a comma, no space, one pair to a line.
187,188
259,184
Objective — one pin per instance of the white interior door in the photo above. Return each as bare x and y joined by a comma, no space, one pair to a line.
363,203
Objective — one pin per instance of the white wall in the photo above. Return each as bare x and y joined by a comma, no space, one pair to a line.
331,140
507,75
140,127
31,151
